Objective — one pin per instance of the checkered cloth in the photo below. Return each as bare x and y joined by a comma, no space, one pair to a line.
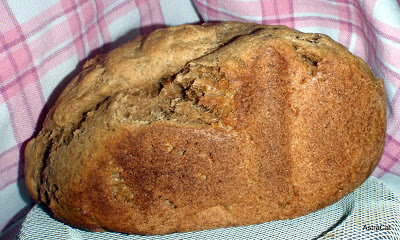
44,43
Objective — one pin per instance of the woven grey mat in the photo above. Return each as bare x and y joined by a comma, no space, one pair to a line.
370,212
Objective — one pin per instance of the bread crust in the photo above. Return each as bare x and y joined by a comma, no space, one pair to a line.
206,126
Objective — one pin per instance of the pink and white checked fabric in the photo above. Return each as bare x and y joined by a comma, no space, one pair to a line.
44,43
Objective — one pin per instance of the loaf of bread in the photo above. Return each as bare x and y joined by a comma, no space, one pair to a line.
207,126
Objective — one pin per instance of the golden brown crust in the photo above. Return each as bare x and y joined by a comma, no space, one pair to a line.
199,127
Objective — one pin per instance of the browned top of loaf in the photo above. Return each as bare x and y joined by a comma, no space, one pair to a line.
198,127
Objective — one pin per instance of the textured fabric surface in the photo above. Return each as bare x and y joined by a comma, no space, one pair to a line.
370,212
44,43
